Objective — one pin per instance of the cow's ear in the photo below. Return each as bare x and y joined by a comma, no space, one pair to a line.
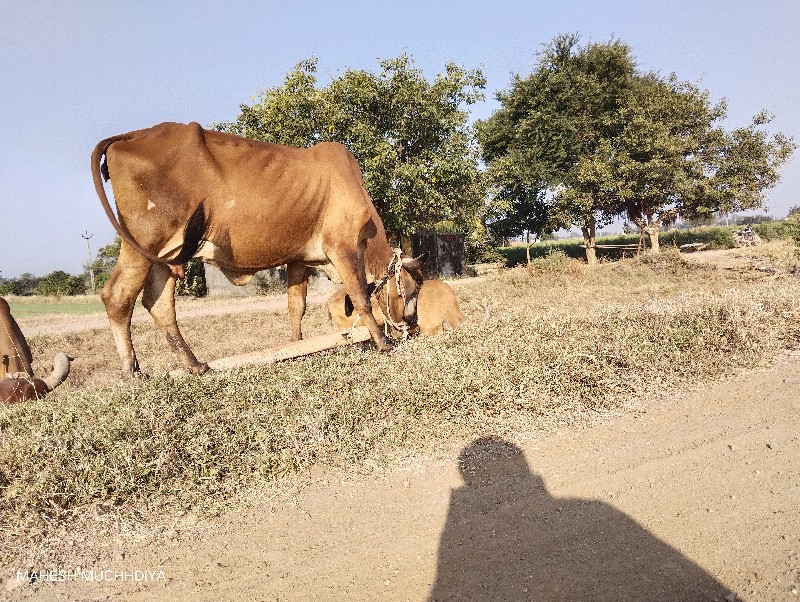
416,263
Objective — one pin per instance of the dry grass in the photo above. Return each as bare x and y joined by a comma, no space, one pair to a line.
561,339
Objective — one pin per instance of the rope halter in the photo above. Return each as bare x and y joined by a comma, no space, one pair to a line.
394,269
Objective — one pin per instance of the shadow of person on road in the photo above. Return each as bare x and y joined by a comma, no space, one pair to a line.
507,538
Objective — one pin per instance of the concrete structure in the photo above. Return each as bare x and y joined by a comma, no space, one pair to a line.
273,280
445,254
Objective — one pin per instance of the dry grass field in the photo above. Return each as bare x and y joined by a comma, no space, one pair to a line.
103,455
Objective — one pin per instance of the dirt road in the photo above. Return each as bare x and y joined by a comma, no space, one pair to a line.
60,324
694,498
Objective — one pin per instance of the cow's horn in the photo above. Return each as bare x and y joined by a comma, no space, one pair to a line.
416,263
60,371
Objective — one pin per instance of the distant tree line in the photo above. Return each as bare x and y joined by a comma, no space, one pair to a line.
57,283
61,284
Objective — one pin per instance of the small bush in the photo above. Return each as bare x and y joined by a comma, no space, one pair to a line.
482,253
193,284
271,282
777,230
554,261
58,283
791,228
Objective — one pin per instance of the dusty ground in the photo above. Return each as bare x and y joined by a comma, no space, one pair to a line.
50,324
696,497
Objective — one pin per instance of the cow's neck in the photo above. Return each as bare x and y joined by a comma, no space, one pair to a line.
377,256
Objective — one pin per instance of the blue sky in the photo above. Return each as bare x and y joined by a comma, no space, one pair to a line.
75,72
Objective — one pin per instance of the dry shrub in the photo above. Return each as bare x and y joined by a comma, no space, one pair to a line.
558,341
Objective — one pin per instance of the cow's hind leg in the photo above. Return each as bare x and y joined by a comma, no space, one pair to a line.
119,296
159,299
297,279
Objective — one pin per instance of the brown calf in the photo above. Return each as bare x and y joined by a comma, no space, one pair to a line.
14,389
437,308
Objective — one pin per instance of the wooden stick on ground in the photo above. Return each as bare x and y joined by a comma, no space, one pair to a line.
287,350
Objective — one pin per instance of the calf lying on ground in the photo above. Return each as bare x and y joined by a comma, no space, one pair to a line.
21,388
437,308
17,382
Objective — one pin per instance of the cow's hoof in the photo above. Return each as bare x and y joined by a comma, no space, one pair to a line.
200,368
386,345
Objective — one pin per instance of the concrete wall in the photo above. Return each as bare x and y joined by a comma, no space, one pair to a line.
445,254
270,280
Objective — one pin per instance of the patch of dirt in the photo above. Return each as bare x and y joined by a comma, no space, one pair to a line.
770,260
60,324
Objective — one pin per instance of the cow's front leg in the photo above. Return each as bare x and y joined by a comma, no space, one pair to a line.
350,266
297,279
159,299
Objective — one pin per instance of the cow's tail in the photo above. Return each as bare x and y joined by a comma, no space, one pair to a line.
196,227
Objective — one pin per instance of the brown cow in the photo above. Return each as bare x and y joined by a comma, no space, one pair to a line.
242,206
437,308
22,387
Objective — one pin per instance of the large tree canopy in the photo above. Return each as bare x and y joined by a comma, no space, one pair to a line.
587,137
548,146
675,159
411,137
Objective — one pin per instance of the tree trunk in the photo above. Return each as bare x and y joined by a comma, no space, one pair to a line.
653,230
654,245
589,240
528,246
405,245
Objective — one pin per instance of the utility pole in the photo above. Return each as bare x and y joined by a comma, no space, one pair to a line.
87,236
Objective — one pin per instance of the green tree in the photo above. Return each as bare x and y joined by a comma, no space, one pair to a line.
59,283
587,137
675,159
290,114
193,284
410,136
104,262
548,146
23,285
